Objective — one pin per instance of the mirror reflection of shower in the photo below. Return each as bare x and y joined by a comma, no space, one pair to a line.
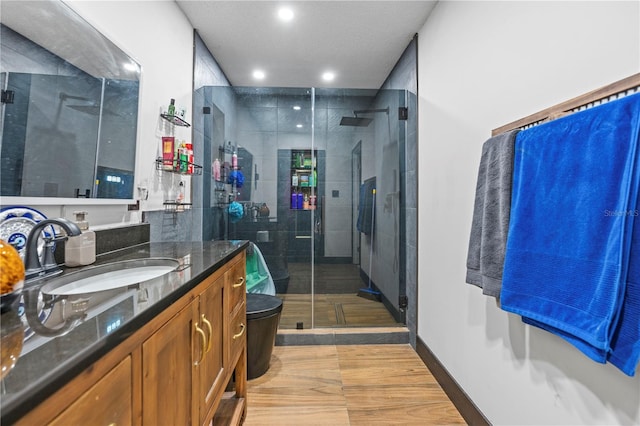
83,125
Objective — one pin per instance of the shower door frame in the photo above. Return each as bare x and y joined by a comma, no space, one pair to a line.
356,178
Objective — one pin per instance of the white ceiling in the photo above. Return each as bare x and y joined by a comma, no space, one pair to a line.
360,41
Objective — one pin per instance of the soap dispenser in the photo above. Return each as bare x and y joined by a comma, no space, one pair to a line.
80,250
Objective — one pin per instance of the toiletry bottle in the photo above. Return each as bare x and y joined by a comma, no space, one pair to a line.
300,201
167,152
80,250
180,196
305,203
184,158
176,156
294,200
171,111
234,160
190,167
216,170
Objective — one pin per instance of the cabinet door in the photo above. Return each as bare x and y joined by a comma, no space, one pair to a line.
168,371
211,370
107,402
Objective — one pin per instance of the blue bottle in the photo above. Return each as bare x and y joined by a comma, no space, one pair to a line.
300,201
294,200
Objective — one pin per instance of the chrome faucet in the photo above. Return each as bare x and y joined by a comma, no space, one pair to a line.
36,267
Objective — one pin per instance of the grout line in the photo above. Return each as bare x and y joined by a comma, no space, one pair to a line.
340,319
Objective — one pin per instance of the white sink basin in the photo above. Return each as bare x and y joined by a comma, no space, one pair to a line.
110,276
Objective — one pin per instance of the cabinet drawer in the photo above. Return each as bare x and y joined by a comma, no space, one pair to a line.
108,402
237,333
236,278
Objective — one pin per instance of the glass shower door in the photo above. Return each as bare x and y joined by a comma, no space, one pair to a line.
311,151
356,281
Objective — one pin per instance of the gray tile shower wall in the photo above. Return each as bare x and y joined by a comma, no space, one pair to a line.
212,126
171,226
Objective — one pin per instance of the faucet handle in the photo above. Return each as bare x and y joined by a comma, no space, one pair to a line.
48,257
51,240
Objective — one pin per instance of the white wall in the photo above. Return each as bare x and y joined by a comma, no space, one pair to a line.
160,38
482,65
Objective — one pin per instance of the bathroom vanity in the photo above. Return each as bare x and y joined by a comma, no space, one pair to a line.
170,350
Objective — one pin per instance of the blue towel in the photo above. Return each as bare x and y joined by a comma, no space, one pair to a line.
575,187
625,345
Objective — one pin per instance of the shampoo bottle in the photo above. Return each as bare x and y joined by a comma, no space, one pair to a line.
184,158
216,170
80,250
190,167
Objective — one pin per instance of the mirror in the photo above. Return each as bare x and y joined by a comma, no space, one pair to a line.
69,108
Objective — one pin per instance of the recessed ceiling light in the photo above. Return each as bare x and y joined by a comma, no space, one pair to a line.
285,14
258,74
296,107
328,76
299,126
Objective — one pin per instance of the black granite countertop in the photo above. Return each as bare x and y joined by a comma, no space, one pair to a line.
50,358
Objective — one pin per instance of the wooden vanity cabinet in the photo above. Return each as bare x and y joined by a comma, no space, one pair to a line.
108,402
178,369
203,361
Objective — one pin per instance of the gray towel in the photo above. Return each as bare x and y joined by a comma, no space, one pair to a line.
488,240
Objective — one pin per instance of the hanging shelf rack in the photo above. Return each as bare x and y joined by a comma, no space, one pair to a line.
174,119
197,169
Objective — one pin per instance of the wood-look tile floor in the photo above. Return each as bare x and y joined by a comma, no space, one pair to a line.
348,385
335,300
333,310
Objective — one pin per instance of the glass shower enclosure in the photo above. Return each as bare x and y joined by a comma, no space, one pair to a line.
314,178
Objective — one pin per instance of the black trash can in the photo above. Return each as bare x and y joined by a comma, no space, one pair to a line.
263,315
